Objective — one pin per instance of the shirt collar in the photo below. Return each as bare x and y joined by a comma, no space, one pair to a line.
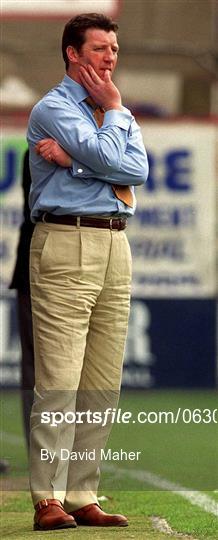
77,90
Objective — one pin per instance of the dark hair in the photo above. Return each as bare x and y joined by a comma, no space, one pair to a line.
74,31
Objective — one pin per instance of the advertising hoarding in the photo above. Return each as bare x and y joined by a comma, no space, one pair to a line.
172,331
173,233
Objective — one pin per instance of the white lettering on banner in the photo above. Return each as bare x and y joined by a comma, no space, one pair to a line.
172,235
138,340
138,355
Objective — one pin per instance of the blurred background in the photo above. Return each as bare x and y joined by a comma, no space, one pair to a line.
168,51
167,74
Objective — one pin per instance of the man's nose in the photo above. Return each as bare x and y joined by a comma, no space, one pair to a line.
109,55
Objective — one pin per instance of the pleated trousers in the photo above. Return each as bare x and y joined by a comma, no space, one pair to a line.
80,293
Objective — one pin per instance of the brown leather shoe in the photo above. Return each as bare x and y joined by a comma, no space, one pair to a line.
50,515
92,515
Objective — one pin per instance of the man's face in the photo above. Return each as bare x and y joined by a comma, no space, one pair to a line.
100,50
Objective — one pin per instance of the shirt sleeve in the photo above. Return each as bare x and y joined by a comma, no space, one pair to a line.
100,149
133,168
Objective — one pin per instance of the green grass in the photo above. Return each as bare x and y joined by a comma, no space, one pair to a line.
138,506
183,453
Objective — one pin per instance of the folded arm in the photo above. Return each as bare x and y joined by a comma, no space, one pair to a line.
114,153
133,171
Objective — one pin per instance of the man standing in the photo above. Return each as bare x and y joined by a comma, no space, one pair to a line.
81,196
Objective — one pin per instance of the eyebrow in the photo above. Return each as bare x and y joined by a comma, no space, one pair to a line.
115,45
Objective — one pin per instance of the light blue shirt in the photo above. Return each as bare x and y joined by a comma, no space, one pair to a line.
112,154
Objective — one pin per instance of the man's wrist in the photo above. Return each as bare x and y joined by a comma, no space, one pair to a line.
113,106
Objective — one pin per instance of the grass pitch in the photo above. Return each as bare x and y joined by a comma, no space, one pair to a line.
182,455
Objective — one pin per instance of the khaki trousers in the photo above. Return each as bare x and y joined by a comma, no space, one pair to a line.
80,293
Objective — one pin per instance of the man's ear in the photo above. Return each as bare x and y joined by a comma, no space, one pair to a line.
72,54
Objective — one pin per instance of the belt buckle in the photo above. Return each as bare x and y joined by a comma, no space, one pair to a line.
111,224
44,221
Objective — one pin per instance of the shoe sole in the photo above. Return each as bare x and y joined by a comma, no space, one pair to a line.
106,525
37,527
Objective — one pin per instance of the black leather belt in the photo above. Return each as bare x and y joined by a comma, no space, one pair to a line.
85,221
